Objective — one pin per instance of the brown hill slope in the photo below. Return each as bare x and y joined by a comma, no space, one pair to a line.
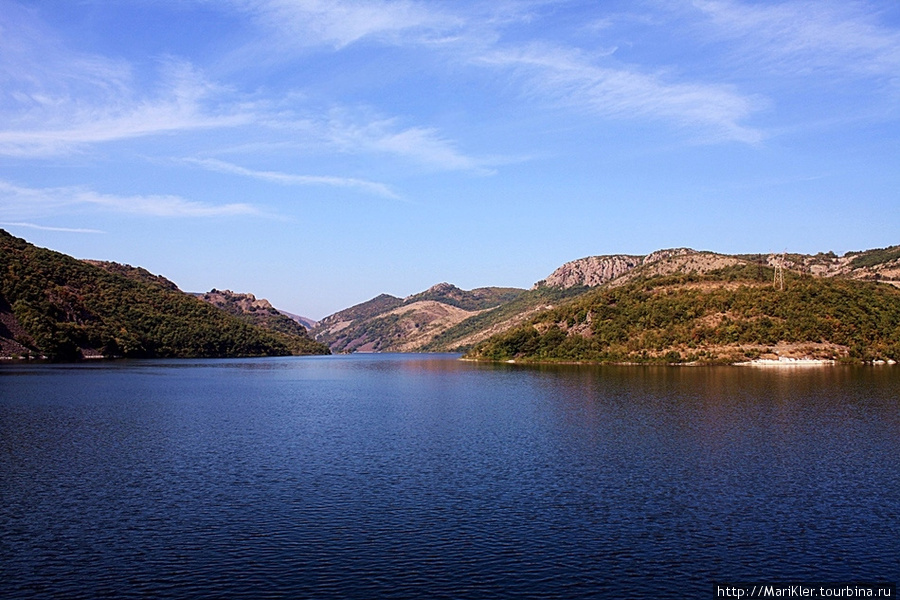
390,324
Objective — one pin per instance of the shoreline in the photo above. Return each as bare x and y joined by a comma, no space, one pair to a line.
784,361
781,362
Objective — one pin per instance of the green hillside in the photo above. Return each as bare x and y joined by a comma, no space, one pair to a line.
729,315
66,309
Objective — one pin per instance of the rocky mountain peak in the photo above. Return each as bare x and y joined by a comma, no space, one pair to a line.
440,288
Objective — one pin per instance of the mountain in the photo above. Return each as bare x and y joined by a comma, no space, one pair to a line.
61,308
706,308
882,264
390,324
446,318
261,313
597,270
673,305
305,321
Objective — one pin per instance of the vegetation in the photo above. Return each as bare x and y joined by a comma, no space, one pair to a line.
871,258
136,273
725,316
262,314
377,325
477,299
452,338
71,308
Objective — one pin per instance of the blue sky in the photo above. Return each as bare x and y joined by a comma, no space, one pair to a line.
318,153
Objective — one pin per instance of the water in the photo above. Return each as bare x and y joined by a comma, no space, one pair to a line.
425,477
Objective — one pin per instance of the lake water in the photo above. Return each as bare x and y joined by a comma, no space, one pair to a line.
416,476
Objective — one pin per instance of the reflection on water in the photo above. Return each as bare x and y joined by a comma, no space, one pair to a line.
407,476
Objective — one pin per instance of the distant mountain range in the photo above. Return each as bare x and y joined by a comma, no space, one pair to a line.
389,324
305,321
445,318
673,306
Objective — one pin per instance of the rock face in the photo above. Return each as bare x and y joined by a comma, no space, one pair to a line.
591,271
597,270
236,303
259,312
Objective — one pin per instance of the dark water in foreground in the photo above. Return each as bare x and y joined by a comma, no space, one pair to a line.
425,477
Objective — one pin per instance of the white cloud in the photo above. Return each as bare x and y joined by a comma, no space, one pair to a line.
290,179
19,202
340,23
362,133
803,36
56,100
67,124
48,228
43,72
560,73
569,78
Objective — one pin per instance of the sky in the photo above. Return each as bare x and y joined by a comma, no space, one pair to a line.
319,153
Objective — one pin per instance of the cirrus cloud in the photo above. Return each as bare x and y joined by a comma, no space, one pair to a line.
27,202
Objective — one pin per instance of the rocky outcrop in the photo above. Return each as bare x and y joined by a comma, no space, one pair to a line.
590,271
598,270
259,312
668,262
236,303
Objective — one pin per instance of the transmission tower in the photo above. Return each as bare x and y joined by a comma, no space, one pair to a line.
779,273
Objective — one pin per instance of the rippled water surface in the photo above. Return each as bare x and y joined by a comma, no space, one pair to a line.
426,477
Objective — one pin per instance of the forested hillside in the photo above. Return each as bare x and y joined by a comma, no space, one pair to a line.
727,315
57,307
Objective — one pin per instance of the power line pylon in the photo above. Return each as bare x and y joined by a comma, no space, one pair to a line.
779,273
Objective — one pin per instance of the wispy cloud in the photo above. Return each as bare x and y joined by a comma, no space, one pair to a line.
568,77
19,201
219,166
65,125
48,228
57,100
339,23
802,36
565,75
423,145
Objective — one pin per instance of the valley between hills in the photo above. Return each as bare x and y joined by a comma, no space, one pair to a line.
674,306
